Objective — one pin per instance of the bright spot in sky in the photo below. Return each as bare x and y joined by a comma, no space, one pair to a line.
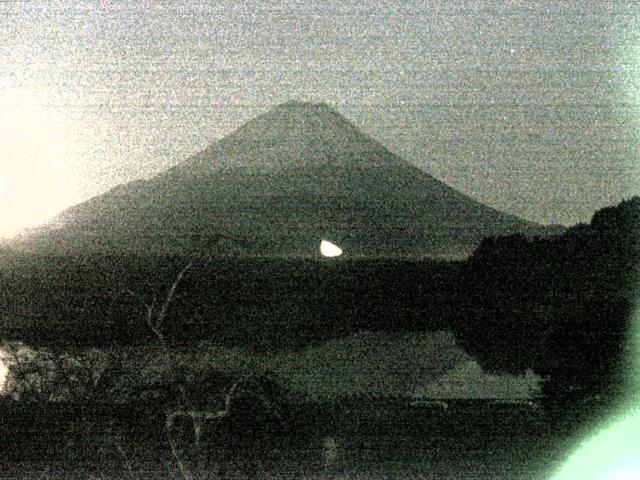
328,249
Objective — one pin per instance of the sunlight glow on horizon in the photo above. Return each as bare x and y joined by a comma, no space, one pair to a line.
3,186
38,151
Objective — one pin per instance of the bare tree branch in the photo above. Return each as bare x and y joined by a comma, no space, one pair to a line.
155,320
184,471
172,291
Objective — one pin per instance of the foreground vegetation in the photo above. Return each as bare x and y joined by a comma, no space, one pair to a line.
354,439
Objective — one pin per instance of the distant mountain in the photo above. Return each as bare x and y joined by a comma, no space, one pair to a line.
278,185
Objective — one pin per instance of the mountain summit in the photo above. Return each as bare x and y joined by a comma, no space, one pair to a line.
292,134
279,185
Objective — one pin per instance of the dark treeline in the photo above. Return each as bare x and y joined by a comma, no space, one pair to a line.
560,306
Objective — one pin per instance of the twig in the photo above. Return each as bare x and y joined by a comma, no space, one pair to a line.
186,474
172,291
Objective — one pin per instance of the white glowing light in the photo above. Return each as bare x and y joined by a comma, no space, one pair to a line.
4,370
328,249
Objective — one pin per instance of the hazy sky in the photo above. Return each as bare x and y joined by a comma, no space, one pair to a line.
530,107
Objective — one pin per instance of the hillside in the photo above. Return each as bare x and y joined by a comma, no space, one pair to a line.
277,186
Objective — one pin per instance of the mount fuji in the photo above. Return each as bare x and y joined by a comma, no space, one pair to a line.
278,186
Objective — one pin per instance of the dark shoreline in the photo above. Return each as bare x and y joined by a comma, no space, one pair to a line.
81,437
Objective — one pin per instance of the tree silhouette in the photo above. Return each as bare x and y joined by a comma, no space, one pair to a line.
560,305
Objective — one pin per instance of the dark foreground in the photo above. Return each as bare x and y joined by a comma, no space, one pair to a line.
479,440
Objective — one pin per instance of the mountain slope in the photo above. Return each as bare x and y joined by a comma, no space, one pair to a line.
278,185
